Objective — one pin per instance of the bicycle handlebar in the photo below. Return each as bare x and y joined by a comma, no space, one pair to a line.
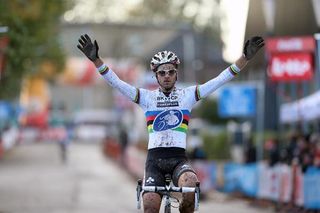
168,189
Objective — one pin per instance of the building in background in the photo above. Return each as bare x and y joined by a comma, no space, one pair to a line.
281,18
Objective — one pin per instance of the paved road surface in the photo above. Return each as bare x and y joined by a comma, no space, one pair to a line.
34,180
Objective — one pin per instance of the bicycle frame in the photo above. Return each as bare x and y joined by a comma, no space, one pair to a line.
166,192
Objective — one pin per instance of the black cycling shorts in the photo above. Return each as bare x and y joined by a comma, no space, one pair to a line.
162,161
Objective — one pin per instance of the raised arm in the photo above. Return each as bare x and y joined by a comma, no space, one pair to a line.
250,49
91,50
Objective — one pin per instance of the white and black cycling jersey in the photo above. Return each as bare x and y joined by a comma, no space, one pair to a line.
168,115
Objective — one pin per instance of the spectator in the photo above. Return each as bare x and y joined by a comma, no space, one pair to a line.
315,144
250,152
123,139
305,152
316,160
292,148
272,147
65,141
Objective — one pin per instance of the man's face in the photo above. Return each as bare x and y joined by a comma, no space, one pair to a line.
167,76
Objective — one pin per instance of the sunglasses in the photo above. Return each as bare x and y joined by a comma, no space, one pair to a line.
164,72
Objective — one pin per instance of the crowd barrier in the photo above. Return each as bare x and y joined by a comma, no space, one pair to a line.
36,134
281,183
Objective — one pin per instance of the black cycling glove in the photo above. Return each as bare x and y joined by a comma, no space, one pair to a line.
252,46
88,48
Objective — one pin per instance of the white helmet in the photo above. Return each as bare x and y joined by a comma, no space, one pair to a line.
164,57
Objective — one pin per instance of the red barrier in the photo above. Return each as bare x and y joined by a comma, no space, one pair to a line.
286,183
112,149
298,186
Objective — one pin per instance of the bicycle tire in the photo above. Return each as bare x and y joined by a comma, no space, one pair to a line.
167,209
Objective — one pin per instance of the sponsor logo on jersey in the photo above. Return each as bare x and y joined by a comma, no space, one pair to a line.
171,98
150,180
170,101
151,116
167,104
168,119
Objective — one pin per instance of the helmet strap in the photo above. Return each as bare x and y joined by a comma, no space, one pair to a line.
157,78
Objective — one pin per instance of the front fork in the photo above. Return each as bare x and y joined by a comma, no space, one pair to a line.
139,189
197,196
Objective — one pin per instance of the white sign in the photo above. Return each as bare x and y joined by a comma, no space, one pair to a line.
305,109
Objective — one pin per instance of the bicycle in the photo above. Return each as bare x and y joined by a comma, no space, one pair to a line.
166,192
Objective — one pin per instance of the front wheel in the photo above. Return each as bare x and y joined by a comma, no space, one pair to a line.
167,208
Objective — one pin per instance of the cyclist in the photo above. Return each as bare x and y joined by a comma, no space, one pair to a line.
167,110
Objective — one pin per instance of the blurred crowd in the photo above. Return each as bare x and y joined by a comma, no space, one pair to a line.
299,149
292,171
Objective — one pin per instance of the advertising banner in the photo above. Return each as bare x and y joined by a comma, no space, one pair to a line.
311,184
290,58
231,173
269,182
243,178
237,101
290,44
291,67
248,179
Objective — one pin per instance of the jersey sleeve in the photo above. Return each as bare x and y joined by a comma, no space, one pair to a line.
190,95
126,89
209,87
143,98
